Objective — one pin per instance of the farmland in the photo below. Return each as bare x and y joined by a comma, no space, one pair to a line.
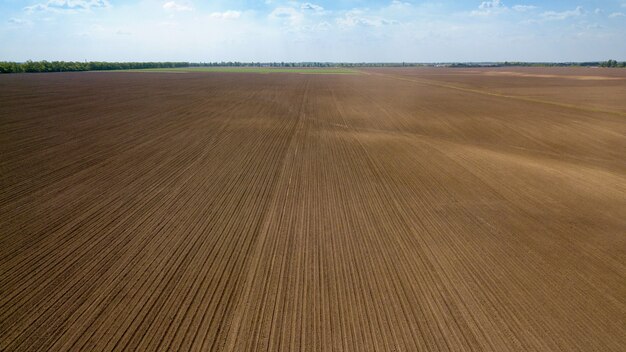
421,209
236,69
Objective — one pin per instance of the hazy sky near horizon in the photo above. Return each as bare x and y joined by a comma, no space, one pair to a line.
342,30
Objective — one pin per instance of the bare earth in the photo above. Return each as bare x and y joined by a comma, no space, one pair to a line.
395,210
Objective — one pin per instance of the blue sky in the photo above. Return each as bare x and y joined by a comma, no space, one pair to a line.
342,30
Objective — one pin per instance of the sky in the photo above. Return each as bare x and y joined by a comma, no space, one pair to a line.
330,31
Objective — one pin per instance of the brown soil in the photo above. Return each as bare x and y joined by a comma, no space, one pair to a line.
397,210
600,88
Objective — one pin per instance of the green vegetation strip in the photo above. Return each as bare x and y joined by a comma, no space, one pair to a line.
264,70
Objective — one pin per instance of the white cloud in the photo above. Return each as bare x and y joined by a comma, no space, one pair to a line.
322,26
289,14
360,18
68,6
593,26
226,15
616,15
312,7
524,8
490,4
400,30
487,8
177,6
563,15
494,7
18,21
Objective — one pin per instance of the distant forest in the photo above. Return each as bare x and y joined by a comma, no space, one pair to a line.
63,66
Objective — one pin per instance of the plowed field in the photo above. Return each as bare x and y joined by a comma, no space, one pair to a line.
391,210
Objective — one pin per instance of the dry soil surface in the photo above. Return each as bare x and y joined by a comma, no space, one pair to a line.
395,210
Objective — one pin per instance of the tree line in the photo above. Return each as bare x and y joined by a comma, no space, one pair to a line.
613,63
609,63
64,66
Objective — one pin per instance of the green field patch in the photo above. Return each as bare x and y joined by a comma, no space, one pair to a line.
263,70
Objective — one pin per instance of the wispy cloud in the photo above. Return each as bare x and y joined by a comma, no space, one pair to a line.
491,4
359,17
311,7
18,21
524,8
491,7
563,15
494,7
398,3
288,15
177,6
289,29
226,15
68,6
